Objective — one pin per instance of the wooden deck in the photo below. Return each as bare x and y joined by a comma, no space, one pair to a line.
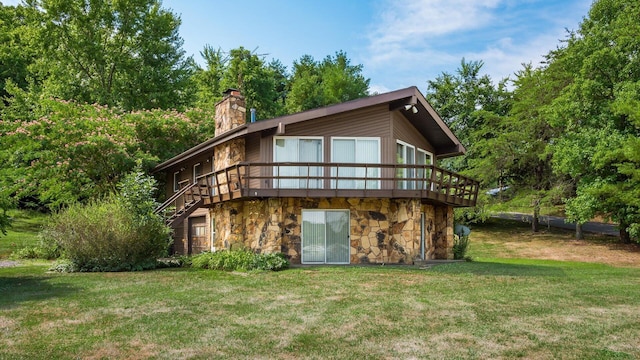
315,180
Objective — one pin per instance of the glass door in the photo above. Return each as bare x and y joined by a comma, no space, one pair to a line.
325,237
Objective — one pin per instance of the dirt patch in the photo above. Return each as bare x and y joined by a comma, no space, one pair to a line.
556,245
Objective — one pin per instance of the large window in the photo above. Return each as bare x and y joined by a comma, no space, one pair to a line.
423,158
325,237
406,155
300,150
355,151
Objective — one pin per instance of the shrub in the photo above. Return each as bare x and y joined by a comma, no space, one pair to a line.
118,233
105,236
242,260
46,251
460,246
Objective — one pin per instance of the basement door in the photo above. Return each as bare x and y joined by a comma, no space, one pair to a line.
325,237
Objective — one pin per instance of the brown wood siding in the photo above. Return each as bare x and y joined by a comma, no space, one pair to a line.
253,143
369,122
186,170
403,130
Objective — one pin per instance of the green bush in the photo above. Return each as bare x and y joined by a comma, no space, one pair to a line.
478,214
242,260
105,236
46,251
460,246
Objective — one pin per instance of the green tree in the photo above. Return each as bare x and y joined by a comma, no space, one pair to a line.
473,107
123,53
315,84
17,52
68,152
597,112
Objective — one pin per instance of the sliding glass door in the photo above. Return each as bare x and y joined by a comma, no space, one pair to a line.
355,151
297,149
325,237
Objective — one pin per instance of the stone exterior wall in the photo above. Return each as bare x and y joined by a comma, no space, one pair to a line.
230,113
381,230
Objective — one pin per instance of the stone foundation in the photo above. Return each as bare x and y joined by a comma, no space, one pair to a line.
381,230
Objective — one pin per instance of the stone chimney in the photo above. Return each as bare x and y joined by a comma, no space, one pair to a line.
230,112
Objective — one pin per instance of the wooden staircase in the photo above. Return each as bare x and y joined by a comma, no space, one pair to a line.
182,204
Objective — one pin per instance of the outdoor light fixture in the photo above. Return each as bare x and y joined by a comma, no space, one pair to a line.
411,107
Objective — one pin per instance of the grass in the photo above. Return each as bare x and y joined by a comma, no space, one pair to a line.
23,231
500,306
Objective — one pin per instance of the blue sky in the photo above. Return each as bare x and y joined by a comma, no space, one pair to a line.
400,43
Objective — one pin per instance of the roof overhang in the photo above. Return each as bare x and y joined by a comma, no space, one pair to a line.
426,120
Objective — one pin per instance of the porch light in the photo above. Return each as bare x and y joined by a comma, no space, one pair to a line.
411,107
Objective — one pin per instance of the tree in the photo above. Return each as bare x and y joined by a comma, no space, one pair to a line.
17,52
471,105
259,83
124,53
316,84
68,152
597,112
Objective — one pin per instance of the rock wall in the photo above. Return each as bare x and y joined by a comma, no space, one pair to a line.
230,113
381,230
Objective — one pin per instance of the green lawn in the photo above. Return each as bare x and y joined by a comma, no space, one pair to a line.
491,308
23,231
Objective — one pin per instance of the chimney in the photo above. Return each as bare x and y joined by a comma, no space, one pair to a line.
230,111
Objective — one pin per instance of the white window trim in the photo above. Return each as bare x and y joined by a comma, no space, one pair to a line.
407,184
276,169
176,181
325,252
194,171
427,173
356,138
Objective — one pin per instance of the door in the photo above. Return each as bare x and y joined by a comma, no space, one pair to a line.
198,235
325,237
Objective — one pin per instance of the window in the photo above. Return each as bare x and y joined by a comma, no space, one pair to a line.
302,150
406,155
325,237
355,151
197,171
176,181
423,158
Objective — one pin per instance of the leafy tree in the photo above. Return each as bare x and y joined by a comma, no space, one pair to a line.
472,106
597,112
259,83
67,152
316,84
17,52
124,53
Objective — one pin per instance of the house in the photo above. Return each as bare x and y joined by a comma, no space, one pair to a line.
348,183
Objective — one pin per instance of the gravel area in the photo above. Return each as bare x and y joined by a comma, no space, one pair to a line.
8,263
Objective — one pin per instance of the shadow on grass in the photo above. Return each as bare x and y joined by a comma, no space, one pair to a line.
19,289
500,269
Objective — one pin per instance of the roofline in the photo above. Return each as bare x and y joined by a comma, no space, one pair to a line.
407,93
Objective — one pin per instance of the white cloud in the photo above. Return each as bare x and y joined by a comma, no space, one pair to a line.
413,41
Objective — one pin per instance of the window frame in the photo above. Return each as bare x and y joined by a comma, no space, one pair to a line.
405,172
176,181
377,139
195,166
276,169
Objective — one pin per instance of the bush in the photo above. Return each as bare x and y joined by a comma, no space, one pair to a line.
478,214
242,260
106,236
46,251
460,246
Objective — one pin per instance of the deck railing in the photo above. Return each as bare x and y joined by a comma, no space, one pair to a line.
254,180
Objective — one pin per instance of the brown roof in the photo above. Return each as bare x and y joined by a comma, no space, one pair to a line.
426,121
